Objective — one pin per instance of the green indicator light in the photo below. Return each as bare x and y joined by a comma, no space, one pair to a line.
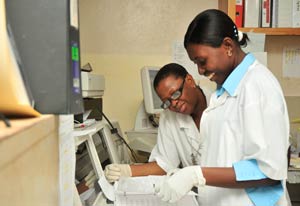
75,54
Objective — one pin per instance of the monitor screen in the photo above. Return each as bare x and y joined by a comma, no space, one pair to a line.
151,101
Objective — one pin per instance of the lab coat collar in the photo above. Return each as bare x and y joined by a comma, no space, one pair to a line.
216,101
231,83
184,121
187,124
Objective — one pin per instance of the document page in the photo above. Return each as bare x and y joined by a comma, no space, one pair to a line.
140,191
138,185
152,200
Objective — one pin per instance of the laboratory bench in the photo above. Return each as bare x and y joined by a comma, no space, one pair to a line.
37,161
293,185
294,192
29,162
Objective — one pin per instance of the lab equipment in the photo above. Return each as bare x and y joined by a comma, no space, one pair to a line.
92,110
47,38
106,145
151,100
97,146
117,150
143,136
93,86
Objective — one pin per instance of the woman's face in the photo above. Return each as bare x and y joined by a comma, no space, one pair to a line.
214,63
185,104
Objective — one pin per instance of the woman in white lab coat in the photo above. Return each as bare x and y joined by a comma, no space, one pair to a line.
245,129
178,140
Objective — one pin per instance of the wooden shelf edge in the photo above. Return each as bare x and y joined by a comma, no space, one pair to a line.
228,6
273,31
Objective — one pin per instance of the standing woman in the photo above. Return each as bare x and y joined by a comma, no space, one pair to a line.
245,129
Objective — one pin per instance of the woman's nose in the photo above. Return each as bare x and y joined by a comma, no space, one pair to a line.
174,102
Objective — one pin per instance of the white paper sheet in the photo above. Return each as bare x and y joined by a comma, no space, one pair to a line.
152,200
140,191
291,62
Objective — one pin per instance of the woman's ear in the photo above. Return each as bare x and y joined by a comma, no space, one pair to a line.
228,45
227,42
190,80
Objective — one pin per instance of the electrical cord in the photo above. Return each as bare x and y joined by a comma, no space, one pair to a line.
76,121
152,120
115,131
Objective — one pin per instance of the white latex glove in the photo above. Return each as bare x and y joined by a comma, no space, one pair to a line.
174,187
90,183
113,172
90,179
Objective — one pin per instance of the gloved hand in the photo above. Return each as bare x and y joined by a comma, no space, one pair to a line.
113,172
90,179
174,187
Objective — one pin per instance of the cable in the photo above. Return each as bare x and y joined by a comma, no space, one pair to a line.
76,121
152,120
5,120
115,131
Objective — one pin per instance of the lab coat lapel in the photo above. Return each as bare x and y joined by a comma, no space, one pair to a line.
187,124
217,101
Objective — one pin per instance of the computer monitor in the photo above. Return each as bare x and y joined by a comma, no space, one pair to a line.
151,101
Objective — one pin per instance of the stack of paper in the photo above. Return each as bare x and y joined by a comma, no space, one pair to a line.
139,191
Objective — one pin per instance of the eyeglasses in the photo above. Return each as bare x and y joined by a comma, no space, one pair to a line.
166,104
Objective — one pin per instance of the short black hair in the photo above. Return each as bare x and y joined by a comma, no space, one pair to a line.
171,69
210,27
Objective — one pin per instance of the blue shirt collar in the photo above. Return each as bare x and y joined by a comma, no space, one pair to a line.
233,80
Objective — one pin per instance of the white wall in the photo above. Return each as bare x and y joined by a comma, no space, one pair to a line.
119,37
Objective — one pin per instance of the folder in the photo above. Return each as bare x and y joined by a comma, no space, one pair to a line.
296,13
239,13
252,13
266,13
15,98
46,35
285,13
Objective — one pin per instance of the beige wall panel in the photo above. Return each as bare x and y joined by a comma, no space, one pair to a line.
119,37
29,162
274,47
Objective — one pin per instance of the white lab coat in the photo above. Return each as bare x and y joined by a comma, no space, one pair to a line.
251,124
178,137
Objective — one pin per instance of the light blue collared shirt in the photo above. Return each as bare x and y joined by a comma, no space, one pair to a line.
260,196
233,80
248,169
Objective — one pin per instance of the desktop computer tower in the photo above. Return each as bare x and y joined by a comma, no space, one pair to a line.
46,36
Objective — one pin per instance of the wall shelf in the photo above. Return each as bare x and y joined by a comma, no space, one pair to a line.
273,31
228,6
